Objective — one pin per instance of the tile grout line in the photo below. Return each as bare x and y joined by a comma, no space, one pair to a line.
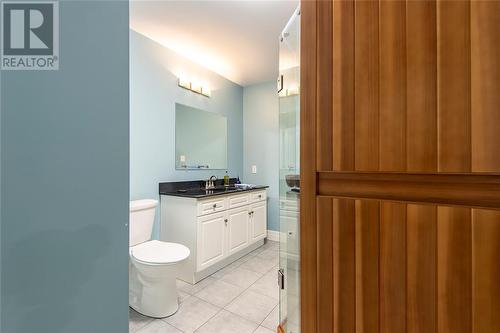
224,308
219,310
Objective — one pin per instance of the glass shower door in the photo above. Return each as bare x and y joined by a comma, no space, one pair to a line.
289,120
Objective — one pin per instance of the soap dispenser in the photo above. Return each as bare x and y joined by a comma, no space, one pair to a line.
226,179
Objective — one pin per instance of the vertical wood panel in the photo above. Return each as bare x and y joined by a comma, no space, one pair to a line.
343,85
344,268
485,85
392,267
392,86
422,157
421,97
325,264
454,264
486,270
324,87
308,225
421,268
367,266
454,138
485,101
366,91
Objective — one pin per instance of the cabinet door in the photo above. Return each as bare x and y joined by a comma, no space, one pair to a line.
258,221
237,229
210,240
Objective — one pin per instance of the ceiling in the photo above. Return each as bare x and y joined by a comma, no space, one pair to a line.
236,39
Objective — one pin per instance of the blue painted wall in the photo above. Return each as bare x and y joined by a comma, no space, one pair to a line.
154,71
65,182
261,143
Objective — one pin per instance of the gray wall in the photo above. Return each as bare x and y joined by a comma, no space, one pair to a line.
261,143
65,183
154,71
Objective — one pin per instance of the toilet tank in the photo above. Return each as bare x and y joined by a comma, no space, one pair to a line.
142,217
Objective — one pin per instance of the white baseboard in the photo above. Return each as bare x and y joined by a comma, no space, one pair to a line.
273,235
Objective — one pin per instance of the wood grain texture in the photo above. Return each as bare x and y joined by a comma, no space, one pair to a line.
454,137
421,268
324,99
367,266
392,86
399,139
344,268
366,71
325,264
485,101
485,85
454,270
343,85
454,261
421,129
308,245
486,270
392,267
476,190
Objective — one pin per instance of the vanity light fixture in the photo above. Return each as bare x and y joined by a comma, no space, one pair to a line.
184,84
194,87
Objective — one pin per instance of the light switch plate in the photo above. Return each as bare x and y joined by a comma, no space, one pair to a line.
254,169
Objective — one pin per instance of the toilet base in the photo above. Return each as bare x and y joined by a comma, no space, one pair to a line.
148,315
153,289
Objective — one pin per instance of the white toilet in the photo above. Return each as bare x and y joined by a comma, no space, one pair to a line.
153,264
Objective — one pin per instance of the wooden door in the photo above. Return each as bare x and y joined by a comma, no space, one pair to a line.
400,166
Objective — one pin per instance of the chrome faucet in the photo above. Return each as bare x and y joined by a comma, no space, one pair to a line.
209,184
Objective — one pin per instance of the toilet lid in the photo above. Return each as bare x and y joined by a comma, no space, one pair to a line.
157,252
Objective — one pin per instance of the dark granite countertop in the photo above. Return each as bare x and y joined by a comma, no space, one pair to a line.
195,189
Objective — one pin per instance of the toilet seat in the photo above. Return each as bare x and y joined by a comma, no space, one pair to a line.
156,252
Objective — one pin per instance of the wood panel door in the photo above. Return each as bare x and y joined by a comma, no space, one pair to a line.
400,166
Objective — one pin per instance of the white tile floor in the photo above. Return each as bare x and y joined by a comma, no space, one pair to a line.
242,297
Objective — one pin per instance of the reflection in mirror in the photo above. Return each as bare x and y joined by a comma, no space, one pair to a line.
200,139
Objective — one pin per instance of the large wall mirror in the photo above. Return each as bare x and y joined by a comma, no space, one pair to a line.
200,139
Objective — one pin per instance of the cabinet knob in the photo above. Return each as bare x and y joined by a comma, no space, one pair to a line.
260,196
214,206
225,221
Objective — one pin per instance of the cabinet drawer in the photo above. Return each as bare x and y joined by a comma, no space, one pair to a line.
211,206
238,200
257,196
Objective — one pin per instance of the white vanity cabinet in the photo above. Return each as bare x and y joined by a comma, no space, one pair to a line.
237,229
217,229
258,221
211,238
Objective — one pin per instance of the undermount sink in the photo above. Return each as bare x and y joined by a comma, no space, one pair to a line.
222,189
